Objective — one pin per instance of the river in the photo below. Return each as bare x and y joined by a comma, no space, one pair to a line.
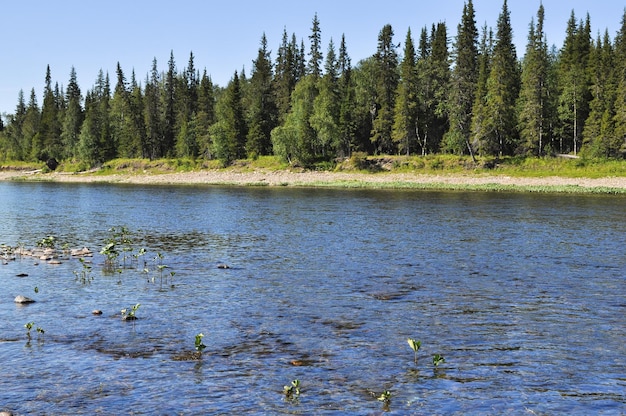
524,295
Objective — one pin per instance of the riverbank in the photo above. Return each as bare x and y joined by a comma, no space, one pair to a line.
304,178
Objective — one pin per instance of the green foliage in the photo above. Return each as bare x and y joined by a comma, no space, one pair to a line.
438,359
129,314
292,391
465,100
47,242
84,275
198,343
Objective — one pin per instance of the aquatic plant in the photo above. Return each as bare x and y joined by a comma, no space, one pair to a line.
111,253
415,346
292,392
198,343
385,397
438,359
158,259
84,275
36,289
47,242
29,326
129,314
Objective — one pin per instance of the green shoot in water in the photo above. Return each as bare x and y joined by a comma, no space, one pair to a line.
199,345
415,346
292,392
438,359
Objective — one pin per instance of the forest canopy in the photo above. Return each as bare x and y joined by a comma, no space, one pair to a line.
435,91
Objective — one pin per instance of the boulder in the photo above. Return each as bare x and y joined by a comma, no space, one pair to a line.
23,299
52,163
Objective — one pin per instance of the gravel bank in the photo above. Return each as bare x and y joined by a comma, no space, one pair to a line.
311,178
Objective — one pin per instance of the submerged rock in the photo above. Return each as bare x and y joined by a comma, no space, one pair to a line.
96,312
23,299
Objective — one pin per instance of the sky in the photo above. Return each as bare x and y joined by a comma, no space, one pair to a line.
224,36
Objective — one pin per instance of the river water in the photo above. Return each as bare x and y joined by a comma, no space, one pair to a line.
524,295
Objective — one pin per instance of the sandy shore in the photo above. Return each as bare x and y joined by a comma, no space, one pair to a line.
311,178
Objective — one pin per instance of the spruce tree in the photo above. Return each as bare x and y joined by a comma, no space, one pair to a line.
137,145
347,116
30,127
406,107
285,76
153,120
534,126
315,51
386,60
16,145
479,109
434,76
574,94
502,92
121,116
599,138
205,117
73,118
169,121
463,83
620,98
262,110
229,133
47,143
325,117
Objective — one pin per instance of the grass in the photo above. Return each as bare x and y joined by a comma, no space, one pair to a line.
379,165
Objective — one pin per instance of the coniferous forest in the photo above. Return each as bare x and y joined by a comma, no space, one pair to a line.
428,92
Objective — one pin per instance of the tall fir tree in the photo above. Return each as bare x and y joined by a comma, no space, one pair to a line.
463,83
153,120
285,76
434,75
229,133
47,143
169,120
325,117
315,51
404,131
620,98
121,116
17,146
574,93
502,91
262,110
137,146
599,138
73,118
205,116
479,109
386,60
347,123
535,91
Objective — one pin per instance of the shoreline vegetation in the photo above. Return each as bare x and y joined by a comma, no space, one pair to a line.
544,175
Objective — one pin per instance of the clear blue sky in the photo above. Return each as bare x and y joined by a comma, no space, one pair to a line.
224,36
